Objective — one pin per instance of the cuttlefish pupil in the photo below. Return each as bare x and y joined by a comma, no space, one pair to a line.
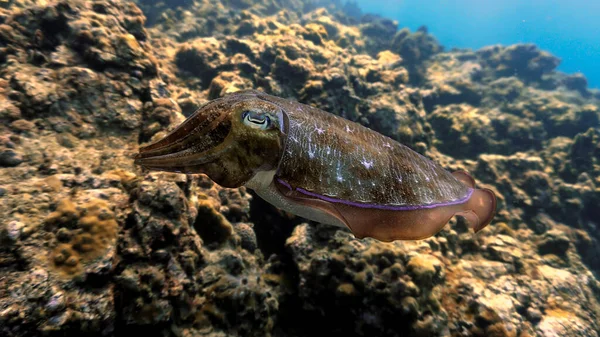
321,167
256,120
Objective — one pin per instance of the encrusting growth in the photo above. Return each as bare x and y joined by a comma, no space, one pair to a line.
85,232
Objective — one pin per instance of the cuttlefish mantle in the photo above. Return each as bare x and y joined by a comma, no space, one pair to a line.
321,167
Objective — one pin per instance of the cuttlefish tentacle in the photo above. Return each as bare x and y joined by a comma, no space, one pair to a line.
321,167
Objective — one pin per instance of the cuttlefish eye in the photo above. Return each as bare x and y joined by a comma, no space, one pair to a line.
256,120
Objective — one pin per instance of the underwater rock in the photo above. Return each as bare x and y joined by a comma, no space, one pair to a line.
415,47
365,287
9,158
200,58
214,226
377,31
554,242
523,60
65,251
424,268
247,236
201,270
65,79
159,115
85,231
583,154
157,11
463,130
450,78
227,82
576,82
506,89
506,302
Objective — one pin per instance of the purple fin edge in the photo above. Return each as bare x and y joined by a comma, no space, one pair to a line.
385,207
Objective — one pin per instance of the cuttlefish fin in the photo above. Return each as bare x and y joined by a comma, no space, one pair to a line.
479,210
383,225
465,178
311,208
481,206
389,225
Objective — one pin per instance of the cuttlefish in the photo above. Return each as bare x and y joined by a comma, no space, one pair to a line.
319,166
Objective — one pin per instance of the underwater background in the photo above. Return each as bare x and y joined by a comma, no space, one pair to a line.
90,243
569,30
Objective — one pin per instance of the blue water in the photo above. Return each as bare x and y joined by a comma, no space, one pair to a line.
569,29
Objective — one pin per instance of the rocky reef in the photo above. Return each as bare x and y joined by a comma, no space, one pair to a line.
91,244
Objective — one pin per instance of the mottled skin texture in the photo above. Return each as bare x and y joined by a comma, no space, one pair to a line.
319,166
334,157
212,142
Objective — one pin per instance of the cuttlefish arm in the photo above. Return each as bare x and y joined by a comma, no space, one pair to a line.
321,167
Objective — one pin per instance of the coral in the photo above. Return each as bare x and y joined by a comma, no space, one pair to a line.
234,294
85,231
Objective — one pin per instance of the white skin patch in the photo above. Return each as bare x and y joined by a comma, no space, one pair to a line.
367,163
312,149
338,173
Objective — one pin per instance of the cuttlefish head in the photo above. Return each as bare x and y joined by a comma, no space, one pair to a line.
229,139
